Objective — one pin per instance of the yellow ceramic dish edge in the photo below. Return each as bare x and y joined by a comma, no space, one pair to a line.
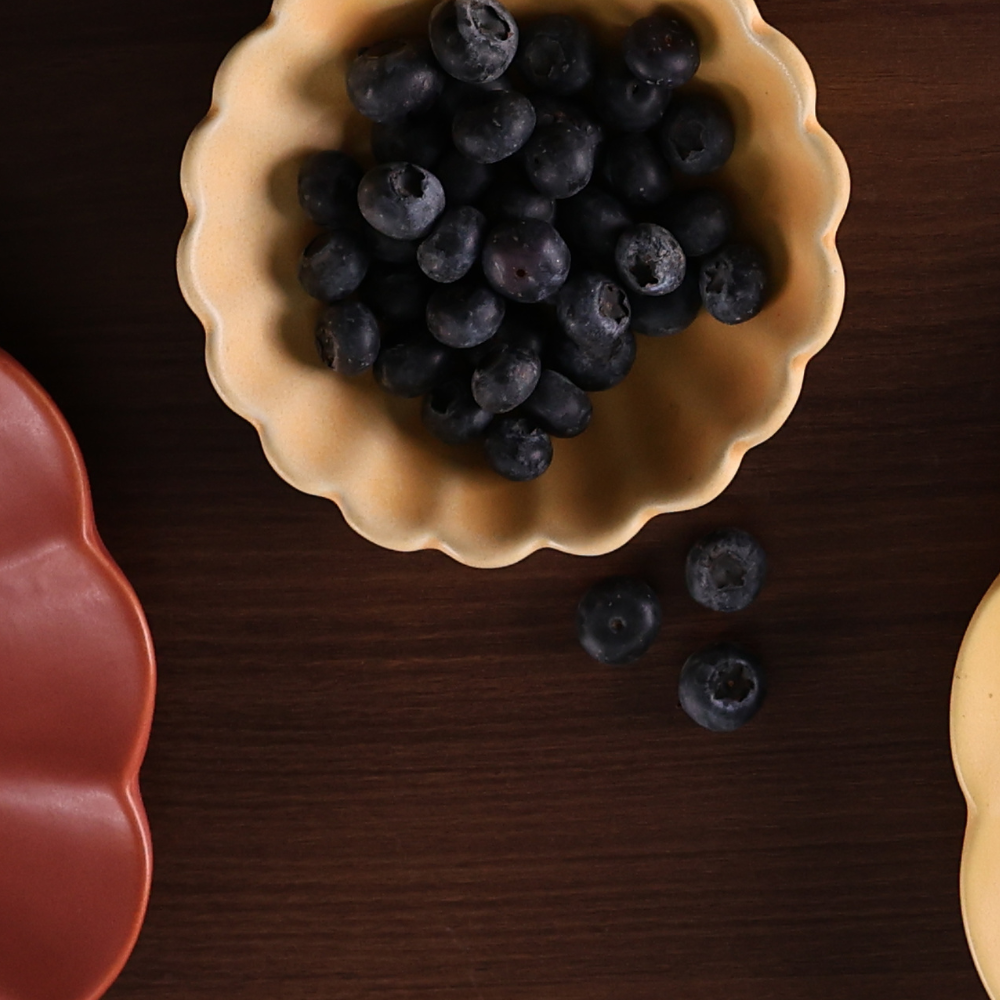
975,746
502,549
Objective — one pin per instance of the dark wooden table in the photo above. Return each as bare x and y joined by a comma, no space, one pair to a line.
383,775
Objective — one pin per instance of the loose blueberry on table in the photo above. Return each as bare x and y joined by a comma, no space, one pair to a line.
722,687
618,619
521,170
725,570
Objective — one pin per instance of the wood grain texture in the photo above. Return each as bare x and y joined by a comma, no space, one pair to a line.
377,775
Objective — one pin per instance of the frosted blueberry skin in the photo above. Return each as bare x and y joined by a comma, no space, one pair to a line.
473,40
733,283
518,448
401,200
557,55
451,414
722,687
625,103
333,265
697,135
618,619
635,170
593,371
701,221
453,248
559,159
558,406
526,261
725,570
661,50
464,314
347,337
393,78
593,310
328,188
650,261
495,129
505,378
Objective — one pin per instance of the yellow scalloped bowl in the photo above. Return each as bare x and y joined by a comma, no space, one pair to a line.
975,747
669,438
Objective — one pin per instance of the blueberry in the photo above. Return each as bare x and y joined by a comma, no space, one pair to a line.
419,139
333,265
650,261
701,221
591,223
400,200
498,128
454,246
722,687
473,40
457,96
618,619
464,314
386,249
347,337
328,188
725,570
518,449
393,79
556,55
414,367
626,104
733,283
662,50
526,261
636,171
505,378
592,310
594,371
397,295
559,407
559,160
464,181
663,315
514,199
452,415
551,110
697,135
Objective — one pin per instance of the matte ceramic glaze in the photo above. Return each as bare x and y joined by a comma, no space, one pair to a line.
670,437
975,744
76,700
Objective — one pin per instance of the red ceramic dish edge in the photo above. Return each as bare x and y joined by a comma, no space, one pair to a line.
86,540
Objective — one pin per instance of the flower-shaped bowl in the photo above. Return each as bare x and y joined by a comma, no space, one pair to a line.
669,438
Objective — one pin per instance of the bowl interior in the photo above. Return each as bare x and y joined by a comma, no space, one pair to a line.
669,437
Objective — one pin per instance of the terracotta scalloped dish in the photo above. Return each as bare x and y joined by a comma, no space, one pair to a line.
670,437
975,745
76,701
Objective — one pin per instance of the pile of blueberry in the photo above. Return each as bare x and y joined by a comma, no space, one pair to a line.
521,222
720,687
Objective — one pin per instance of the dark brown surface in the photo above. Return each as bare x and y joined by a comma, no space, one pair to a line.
383,775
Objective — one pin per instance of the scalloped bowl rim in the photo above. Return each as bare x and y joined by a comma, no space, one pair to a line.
87,536
981,847
801,79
